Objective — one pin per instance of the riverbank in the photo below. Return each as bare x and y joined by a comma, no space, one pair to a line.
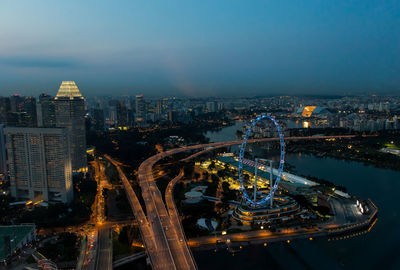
258,237
376,249
361,149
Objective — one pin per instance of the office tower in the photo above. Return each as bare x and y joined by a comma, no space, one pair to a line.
211,106
171,115
48,109
16,103
3,157
18,111
122,115
39,163
30,116
132,104
39,115
159,107
18,119
5,109
70,114
112,112
112,115
140,108
388,124
98,119
396,122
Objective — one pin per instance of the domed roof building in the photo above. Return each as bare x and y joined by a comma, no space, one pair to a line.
309,111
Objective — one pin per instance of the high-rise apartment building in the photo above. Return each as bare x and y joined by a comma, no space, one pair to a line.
39,163
70,114
48,110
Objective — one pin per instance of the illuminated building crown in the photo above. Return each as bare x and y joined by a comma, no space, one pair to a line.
68,89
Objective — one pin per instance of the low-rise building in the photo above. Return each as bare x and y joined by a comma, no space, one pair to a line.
14,237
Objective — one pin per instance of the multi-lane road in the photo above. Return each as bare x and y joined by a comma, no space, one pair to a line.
104,249
161,230
98,254
170,237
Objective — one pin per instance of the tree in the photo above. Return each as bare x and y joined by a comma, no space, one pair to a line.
188,169
212,165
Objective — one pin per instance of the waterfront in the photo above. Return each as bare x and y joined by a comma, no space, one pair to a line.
376,249
229,133
226,133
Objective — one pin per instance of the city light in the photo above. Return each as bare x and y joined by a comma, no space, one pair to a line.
202,127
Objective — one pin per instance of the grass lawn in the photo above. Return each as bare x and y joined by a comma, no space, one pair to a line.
391,146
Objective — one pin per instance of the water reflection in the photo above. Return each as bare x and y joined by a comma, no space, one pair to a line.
377,249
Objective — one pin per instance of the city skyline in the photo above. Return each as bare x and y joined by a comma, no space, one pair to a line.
204,49
191,135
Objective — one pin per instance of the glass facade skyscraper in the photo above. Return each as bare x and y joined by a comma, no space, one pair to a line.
48,110
70,114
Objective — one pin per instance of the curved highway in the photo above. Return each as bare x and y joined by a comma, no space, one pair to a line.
162,232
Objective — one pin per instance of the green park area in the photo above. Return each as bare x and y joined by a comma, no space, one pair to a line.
392,146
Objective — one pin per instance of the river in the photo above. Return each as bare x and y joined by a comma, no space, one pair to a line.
378,249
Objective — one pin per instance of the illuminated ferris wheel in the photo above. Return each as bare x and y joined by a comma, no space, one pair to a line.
278,173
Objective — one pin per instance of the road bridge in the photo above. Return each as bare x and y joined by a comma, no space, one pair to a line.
129,259
162,232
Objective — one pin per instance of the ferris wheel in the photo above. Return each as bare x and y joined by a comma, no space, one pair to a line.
274,184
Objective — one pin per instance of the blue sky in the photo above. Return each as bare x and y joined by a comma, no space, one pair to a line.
199,48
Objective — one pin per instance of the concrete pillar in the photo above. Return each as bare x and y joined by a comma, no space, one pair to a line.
255,180
271,182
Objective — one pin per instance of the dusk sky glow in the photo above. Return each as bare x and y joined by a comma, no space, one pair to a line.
200,48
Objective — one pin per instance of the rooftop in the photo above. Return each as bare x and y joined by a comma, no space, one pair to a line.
68,89
309,111
16,234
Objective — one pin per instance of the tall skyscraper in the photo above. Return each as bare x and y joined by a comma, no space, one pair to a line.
39,115
98,119
30,116
5,109
140,108
39,163
171,115
3,157
159,108
70,114
48,110
122,115
18,111
211,106
17,103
